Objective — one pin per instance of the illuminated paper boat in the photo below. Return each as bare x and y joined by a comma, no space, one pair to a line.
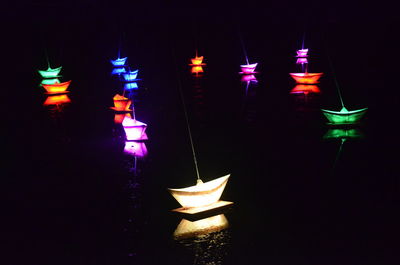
188,229
131,85
56,100
57,88
249,78
134,129
248,68
130,76
50,73
119,117
306,78
50,81
197,70
198,60
119,62
202,194
302,53
137,149
121,103
305,89
342,133
344,117
118,71
302,60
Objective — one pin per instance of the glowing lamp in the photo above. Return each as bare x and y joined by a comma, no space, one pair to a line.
56,100
119,62
197,69
302,53
306,78
131,85
249,78
118,71
197,60
248,68
57,88
50,81
344,117
343,133
134,129
188,229
202,194
305,89
130,76
50,73
121,103
119,117
302,60
137,149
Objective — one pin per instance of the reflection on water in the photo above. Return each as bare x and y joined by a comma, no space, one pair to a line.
197,71
305,97
249,100
56,104
344,133
208,238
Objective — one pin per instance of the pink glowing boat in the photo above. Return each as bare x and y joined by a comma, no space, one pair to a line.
306,78
302,53
134,129
302,60
248,68
57,88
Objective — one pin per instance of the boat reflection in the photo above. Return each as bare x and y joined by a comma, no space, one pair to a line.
137,149
197,70
343,133
189,229
118,71
119,117
131,85
57,102
305,89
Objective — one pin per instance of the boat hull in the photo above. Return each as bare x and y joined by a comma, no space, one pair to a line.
50,73
306,78
57,88
248,68
200,195
344,118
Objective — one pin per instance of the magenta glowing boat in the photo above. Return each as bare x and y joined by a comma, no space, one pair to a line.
137,149
134,129
302,60
248,68
306,78
302,53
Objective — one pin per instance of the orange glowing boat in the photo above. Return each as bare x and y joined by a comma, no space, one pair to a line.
306,78
121,103
57,88
56,100
197,61
305,89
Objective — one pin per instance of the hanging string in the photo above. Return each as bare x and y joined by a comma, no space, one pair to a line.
334,76
338,154
186,115
243,47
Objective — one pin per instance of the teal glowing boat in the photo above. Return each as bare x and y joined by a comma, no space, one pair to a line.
50,72
344,117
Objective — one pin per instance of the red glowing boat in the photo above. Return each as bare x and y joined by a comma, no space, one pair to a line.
306,78
56,100
57,88
305,89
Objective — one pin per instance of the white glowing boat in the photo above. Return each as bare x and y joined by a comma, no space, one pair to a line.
202,194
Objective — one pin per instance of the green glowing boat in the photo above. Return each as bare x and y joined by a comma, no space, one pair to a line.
341,133
344,117
50,72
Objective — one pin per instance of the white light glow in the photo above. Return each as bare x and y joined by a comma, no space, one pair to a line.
187,229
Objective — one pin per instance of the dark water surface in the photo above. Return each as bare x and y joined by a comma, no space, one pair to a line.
74,197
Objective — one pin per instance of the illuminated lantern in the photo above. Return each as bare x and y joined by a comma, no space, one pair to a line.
118,71
137,149
188,229
202,194
121,103
119,117
119,62
343,133
131,85
50,81
248,68
302,53
249,78
57,88
134,129
50,73
197,70
302,60
306,78
56,100
130,76
305,89
344,117
197,60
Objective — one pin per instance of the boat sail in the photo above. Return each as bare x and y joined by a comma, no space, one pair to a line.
305,77
50,72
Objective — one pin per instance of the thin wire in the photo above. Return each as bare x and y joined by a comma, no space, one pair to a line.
243,47
186,115
334,76
338,153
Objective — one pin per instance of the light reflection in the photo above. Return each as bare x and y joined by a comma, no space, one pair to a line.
302,61
305,89
249,78
50,81
197,70
119,117
118,71
137,149
56,100
131,85
189,229
130,76
343,133
134,129
306,78
57,88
